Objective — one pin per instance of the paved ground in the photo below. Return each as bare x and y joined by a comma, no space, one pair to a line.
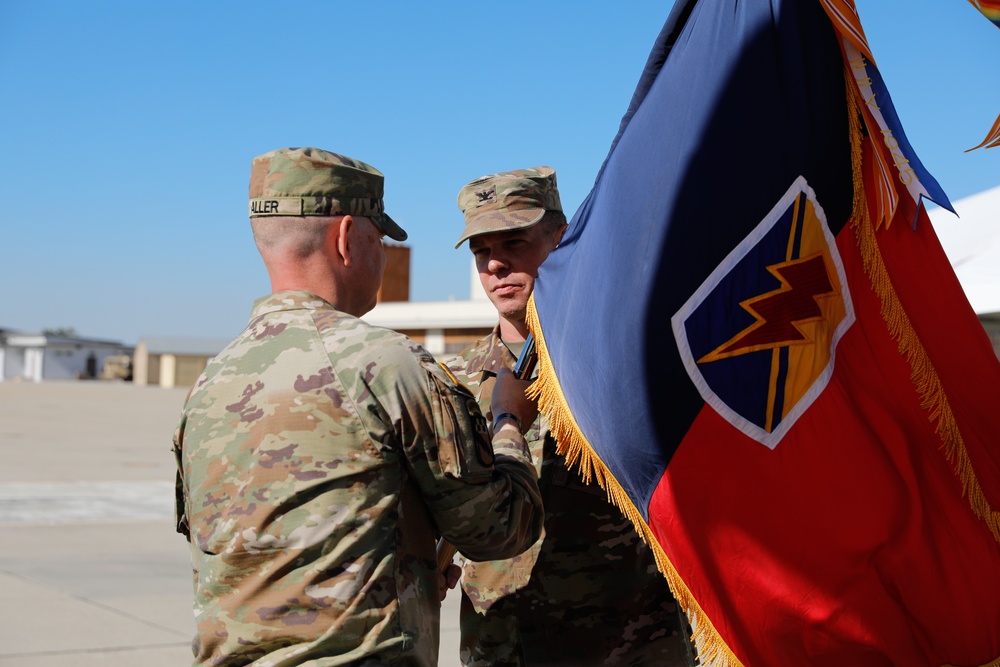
91,570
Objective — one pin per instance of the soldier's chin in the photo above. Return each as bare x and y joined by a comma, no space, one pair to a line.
514,312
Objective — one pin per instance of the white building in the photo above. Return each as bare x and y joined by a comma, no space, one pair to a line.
37,357
972,243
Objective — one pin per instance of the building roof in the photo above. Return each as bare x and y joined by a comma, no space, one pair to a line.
22,339
972,243
433,314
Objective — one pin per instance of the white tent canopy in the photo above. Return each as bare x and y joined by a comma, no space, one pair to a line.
972,243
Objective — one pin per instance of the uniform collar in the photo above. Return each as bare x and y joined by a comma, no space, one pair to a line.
490,355
289,300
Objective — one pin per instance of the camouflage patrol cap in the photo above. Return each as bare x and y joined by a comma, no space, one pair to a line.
314,182
508,200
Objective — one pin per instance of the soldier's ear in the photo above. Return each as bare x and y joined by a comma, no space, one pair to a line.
341,237
559,234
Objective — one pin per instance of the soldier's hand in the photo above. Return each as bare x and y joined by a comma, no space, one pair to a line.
508,396
448,580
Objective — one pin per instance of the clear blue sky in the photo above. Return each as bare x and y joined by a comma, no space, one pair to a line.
128,130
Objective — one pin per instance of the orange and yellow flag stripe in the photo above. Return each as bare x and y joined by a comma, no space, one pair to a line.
989,8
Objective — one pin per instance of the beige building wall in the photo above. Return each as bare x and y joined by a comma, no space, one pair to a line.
141,366
187,370
166,370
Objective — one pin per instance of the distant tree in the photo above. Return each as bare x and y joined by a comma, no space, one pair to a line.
60,331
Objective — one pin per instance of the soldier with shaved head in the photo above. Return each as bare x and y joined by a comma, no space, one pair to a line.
320,458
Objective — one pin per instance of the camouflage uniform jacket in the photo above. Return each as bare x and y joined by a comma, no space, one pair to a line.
587,592
318,459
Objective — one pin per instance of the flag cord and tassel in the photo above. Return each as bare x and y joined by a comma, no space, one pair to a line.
922,372
573,444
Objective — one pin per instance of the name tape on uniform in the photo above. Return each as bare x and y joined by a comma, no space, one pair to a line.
276,206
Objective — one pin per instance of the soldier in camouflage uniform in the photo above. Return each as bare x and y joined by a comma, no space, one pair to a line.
320,457
588,592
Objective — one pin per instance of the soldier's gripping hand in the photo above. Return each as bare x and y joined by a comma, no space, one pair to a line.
509,399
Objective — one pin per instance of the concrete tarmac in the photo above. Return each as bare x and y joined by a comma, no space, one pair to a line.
92,572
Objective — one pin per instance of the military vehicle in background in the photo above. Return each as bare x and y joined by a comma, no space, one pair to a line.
117,367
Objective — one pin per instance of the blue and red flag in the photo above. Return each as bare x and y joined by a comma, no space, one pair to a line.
752,338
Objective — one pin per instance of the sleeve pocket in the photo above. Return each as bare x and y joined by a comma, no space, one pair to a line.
464,447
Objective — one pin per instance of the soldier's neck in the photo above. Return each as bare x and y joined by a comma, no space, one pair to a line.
513,331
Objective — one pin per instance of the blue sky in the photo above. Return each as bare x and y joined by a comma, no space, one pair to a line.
128,130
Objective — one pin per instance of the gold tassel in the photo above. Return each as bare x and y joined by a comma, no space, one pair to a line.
933,397
573,444
991,663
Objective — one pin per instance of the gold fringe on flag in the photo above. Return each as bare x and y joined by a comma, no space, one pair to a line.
933,397
991,663
573,444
